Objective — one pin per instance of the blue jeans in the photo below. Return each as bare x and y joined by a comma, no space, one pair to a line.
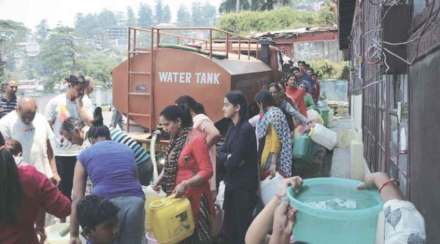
131,217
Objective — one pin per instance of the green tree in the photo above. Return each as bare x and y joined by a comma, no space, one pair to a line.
11,34
42,31
183,16
260,21
87,26
131,18
234,6
166,14
59,55
209,14
158,12
106,19
327,13
145,15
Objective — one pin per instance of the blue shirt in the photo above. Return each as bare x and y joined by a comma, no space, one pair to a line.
112,170
140,154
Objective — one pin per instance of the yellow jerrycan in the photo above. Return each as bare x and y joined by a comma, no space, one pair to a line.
170,219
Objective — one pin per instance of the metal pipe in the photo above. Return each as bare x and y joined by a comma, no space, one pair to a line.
239,48
158,37
128,77
152,55
249,49
227,45
210,43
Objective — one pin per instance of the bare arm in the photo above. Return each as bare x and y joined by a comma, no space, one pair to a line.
263,223
389,192
52,162
212,134
85,115
79,188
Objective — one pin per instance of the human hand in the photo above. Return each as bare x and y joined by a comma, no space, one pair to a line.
56,179
74,240
41,234
295,182
156,187
283,221
373,180
181,189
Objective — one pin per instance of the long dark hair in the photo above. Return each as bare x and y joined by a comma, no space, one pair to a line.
264,97
98,128
11,191
176,112
71,124
74,80
237,98
191,103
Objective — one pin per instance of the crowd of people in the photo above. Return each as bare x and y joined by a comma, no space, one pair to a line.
68,163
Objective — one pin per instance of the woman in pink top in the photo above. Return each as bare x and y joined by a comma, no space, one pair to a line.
187,169
25,193
204,124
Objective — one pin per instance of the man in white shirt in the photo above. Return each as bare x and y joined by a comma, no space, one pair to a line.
32,130
60,108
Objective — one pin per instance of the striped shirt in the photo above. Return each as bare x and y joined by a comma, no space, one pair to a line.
7,106
140,154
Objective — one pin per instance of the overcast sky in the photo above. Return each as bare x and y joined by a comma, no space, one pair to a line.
31,12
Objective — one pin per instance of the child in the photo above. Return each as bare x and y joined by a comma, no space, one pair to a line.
98,219
15,148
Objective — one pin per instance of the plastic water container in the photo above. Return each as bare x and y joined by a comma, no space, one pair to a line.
324,136
150,196
334,211
58,234
269,187
171,219
302,147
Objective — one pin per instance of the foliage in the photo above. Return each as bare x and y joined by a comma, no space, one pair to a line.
59,55
11,35
327,69
255,5
183,16
145,15
253,21
327,14
203,14
166,14
42,31
131,17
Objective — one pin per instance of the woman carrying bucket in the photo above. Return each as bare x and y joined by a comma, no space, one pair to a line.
187,169
239,157
273,125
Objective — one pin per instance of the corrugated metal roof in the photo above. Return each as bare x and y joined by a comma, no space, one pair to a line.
288,33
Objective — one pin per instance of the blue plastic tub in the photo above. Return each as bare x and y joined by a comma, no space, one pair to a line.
333,211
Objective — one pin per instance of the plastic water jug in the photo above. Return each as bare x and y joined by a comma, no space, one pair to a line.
150,196
302,147
334,211
58,234
269,187
171,219
324,136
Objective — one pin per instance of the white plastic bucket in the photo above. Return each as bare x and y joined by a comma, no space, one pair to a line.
58,234
324,136
269,187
